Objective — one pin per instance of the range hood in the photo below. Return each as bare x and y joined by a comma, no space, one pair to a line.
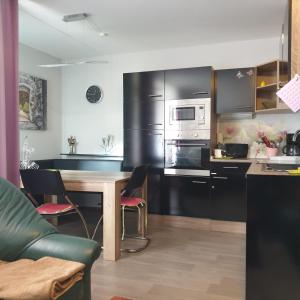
237,116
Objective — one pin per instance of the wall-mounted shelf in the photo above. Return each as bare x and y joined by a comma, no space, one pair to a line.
270,77
91,156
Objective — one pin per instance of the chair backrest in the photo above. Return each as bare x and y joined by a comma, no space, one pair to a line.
20,224
42,182
136,180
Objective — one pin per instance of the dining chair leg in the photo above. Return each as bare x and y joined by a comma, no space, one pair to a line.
97,226
123,222
139,219
81,217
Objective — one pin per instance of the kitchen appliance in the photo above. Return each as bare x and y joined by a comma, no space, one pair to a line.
188,119
292,147
187,157
236,150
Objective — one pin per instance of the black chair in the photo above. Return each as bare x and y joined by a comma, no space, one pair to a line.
131,197
47,182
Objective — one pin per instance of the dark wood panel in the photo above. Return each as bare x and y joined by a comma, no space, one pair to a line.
188,83
187,196
273,238
144,147
219,168
228,197
235,90
144,114
143,86
80,164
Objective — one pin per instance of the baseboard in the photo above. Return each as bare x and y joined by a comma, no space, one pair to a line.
197,223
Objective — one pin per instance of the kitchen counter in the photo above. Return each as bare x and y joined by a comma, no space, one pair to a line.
258,168
233,160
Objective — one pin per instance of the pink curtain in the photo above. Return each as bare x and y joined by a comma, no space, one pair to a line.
9,120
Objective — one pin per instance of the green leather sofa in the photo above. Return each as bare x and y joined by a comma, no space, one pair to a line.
25,234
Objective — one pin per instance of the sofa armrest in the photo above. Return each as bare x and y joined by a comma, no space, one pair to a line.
66,247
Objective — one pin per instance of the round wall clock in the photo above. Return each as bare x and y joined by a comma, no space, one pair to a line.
94,94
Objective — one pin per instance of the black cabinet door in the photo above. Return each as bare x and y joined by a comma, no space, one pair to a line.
146,114
143,86
235,90
188,83
187,196
144,147
228,195
273,240
155,189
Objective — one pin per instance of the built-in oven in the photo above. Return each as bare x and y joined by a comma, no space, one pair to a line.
187,157
188,119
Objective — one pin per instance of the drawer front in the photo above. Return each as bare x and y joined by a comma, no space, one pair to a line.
217,168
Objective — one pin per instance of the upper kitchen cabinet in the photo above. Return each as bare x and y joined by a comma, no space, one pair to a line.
188,83
295,37
270,77
235,90
146,114
143,86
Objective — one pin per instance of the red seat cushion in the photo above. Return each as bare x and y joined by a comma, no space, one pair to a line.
131,201
52,208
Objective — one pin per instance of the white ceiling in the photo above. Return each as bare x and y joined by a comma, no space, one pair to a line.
139,25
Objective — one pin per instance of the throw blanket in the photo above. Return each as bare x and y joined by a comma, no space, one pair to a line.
45,279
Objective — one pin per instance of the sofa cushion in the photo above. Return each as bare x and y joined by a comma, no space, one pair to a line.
20,224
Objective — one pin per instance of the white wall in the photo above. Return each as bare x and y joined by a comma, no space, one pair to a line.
47,143
89,122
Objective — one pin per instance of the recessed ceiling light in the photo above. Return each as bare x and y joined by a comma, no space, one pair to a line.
103,34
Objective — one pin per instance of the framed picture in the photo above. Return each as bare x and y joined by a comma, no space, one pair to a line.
32,102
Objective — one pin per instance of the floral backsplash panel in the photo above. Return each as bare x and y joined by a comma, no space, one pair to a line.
250,131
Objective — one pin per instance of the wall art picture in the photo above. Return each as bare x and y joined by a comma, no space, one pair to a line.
32,102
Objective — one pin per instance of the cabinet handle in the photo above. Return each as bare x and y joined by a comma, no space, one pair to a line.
230,167
154,96
152,124
199,182
154,133
213,173
200,93
219,177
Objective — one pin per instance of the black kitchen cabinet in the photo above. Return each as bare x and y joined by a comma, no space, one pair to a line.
188,83
144,114
187,196
228,191
235,90
144,147
143,86
273,239
155,190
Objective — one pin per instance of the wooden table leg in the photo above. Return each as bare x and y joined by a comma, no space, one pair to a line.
112,221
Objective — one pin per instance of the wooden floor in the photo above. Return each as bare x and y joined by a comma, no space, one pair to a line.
179,264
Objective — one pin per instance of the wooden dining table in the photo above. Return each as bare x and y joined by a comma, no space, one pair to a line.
111,185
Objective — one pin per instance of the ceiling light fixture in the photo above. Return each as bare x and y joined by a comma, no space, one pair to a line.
75,17
67,64
103,34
